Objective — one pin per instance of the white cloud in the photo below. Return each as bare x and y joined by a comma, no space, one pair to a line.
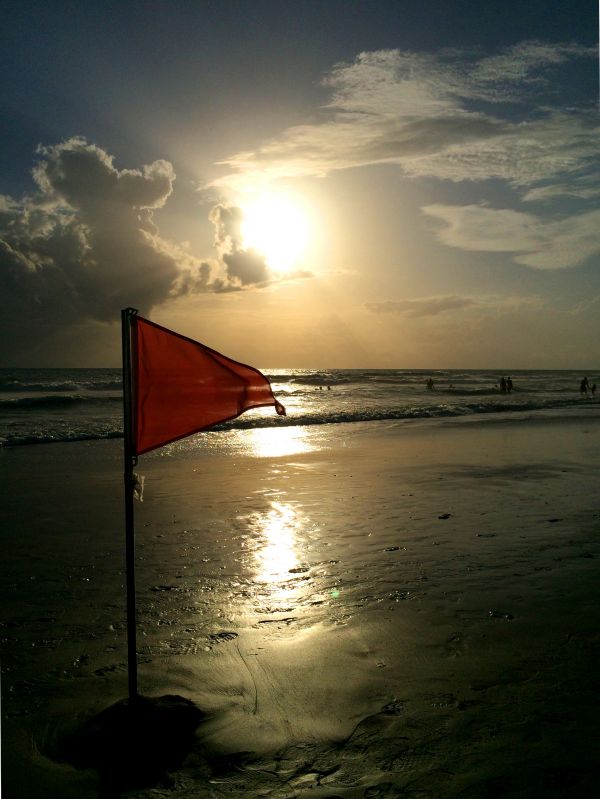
422,306
556,244
421,112
434,306
480,228
585,187
522,64
393,83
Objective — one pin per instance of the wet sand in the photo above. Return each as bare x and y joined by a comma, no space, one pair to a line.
402,610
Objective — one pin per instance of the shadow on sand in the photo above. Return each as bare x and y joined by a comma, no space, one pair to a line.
134,744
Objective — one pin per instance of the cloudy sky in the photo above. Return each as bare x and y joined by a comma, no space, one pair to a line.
318,183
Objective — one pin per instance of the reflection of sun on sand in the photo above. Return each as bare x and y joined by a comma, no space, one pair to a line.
276,553
276,441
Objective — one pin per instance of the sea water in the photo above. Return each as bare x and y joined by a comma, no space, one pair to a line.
62,405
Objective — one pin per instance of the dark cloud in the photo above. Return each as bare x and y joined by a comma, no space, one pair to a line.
85,245
83,175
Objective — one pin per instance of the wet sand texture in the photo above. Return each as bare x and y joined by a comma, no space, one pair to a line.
401,613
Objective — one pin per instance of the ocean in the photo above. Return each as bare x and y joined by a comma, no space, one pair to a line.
63,405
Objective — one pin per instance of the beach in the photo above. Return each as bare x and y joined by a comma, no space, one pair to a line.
382,609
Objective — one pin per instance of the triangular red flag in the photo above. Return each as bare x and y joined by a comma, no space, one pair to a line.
181,387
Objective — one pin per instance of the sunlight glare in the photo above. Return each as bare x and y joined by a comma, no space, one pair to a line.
277,441
276,225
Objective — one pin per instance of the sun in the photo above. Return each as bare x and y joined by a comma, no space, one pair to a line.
277,225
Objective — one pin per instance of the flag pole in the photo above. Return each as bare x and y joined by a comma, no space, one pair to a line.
130,460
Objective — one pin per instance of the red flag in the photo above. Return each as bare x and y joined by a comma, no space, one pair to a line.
181,387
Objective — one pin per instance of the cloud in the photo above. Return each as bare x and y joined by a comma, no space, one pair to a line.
458,116
589,307
556,244
86,244
434,306
584,187
529,62
430,115
424,306
243,266
85,178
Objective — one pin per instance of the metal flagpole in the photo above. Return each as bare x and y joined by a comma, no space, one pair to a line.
130,460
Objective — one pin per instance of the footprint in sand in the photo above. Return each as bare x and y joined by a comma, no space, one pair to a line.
395,708
226,635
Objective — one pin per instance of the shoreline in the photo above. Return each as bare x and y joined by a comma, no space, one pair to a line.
410,416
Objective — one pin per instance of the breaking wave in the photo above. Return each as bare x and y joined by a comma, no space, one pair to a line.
106,430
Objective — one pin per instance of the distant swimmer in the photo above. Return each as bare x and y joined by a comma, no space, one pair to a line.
502,385
584,385
509,385
429,384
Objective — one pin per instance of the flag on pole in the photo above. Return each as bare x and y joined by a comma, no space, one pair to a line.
181,386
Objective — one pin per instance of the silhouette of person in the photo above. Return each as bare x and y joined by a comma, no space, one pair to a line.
509,384
503,385
593,389
429,384
583,388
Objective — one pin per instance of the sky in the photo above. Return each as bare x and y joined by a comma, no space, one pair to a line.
303,183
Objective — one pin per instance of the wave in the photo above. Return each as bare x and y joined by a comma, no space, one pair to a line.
377,414
16,440
247,422
23,387
109,385
467,384
313,379
53,401
475,392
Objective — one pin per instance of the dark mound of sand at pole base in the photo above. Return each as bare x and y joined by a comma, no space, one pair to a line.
134,743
